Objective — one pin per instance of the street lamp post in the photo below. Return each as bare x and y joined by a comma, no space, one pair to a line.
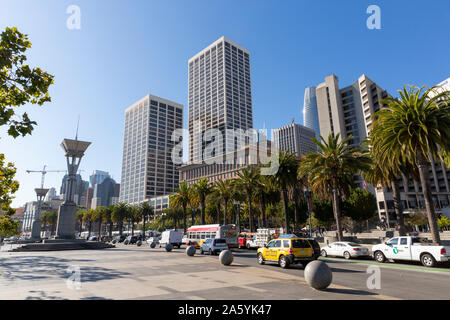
74,151
308,194
36,227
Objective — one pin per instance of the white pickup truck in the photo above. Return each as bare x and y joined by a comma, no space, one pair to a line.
411,249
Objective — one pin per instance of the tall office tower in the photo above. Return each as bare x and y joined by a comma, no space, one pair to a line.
147,167
348,111
98,176
310,113
295,138
219,95
80,189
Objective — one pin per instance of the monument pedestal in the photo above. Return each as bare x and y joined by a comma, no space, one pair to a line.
36,230
66,221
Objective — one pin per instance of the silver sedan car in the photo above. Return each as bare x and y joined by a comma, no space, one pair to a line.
347,250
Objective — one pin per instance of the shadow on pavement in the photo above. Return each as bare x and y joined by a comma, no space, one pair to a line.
350,291
43,267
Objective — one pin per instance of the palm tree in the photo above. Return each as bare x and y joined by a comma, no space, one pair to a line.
330,170
133,216
201,190
238,197
108,218
266,193
119,213
248,180
286,177
146,212
415,128
182,199
224,190
98,216
79,218
88,218
213,204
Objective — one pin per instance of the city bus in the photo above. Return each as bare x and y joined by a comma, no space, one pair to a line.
229,232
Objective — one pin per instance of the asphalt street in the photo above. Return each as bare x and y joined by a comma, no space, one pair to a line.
131,272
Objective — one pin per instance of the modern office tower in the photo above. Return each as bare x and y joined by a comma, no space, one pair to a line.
349,110
310,113
219,95
51,194
295,138
88,195
98,176
80,189
147,167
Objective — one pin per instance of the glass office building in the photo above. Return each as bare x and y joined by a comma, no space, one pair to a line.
310,113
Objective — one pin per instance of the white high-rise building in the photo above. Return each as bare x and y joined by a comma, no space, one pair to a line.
295,138
349,111
147,167
219,96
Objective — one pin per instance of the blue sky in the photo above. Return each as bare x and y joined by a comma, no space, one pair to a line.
127,49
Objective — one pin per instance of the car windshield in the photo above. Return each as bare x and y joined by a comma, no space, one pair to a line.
220,241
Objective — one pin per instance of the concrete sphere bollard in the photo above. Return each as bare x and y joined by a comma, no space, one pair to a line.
139,243
318,275
152,245
190,251
169,247
226,257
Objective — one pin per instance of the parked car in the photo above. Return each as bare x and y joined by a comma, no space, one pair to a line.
213,246
153,240
93,238
172,236
11,239
347,250
411,249
130,240
286,251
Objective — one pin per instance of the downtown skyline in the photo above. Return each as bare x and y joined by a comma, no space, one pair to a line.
277,90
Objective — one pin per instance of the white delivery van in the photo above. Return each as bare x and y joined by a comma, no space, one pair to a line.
172,236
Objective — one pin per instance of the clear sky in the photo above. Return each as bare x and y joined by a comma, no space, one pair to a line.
127,49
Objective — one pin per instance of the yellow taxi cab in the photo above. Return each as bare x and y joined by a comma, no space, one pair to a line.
199,243
287,251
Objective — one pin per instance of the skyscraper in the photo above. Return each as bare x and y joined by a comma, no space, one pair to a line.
310,113
219,95
147,167
295,138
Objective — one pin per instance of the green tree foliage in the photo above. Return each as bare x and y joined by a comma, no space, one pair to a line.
50,218
360,206
444,222
8,186
323,212
19,84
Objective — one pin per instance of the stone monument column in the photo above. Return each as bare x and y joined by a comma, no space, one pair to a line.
36,226
74,150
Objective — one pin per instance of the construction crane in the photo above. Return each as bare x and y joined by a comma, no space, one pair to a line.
44,172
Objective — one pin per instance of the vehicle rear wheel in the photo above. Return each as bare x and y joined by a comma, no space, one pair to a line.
428,260
211,253
379,257
347,255
323,253
260,258
283,262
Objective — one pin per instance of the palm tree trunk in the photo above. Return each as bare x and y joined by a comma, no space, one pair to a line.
398,207
99,230
184,219
90,228
192,217
132,228
263,211
225,213
110,229
203,212
426,189
250,215
286,208
337,213
143,229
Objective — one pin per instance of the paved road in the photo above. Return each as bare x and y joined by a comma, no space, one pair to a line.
130,272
